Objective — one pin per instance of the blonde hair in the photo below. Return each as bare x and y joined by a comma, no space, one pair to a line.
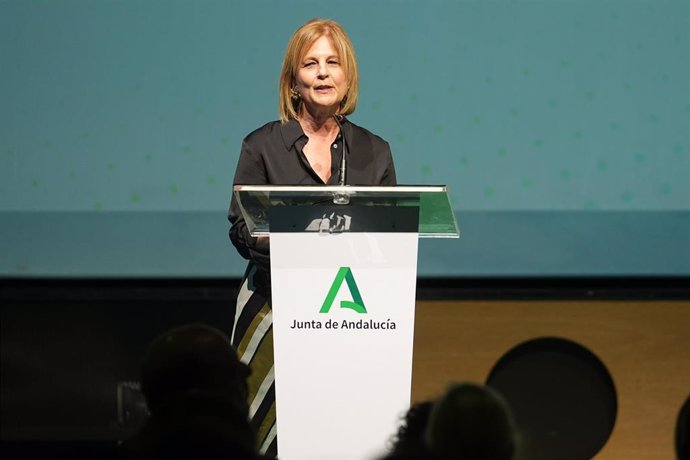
299,44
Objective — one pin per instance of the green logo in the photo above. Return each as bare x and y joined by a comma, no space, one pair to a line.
344,274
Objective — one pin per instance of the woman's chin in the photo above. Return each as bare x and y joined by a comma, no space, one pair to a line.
330,106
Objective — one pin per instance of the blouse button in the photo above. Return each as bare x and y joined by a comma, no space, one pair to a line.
335,146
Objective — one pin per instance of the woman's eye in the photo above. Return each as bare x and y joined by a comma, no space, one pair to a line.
309,64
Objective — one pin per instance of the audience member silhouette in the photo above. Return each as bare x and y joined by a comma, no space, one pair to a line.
195,387
683,432
408,442
471,422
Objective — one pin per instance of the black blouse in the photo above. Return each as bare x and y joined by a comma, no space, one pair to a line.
272,155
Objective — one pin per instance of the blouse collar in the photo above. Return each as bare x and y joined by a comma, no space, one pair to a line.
292,131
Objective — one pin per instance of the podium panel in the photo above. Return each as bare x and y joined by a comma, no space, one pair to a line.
343,319
343,278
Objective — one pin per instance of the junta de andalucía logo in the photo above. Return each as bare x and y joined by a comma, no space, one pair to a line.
344,275
357,304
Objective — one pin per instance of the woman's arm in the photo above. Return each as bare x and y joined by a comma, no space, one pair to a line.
388,176
251,170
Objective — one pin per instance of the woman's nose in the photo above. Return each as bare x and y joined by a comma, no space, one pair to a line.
323,70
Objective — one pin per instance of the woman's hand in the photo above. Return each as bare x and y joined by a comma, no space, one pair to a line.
262,243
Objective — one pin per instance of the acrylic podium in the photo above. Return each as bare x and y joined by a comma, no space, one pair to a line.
343,278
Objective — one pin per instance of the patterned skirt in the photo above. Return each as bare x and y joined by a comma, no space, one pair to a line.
253,338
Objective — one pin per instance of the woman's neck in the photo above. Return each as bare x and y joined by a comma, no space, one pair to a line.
319,124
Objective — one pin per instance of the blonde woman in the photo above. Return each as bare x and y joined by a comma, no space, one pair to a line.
318,89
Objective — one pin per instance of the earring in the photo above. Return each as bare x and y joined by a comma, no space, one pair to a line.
295,94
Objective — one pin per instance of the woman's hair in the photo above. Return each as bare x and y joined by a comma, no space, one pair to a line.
299,44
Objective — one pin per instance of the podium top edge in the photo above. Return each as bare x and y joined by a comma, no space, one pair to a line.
342,189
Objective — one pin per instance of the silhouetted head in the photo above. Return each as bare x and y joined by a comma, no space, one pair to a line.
410,436
471,422
683,432
194,361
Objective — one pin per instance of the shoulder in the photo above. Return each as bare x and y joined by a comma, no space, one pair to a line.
366,134
363,136
267,132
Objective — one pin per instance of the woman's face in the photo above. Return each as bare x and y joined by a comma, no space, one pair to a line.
320,79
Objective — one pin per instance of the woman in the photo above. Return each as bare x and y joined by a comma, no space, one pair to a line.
318,82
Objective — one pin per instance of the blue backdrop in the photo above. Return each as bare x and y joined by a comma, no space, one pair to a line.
562,129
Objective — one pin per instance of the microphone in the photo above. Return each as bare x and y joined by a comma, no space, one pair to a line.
342,198
343,162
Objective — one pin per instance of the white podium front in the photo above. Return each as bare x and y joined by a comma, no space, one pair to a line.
343,280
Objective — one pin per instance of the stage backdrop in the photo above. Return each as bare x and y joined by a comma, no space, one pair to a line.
562,129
